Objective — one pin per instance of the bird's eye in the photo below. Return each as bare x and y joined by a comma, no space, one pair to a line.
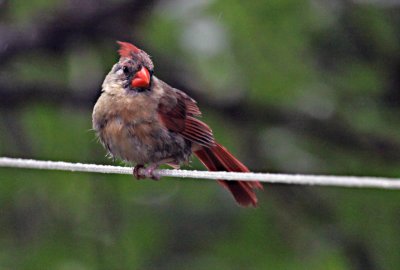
125,69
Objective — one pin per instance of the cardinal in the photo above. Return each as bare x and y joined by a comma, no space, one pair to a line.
144,121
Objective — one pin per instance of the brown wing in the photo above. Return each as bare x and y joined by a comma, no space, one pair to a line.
177,111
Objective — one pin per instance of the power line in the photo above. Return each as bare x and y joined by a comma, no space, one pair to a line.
296,179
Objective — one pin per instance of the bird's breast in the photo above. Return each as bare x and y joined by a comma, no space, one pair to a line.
130,129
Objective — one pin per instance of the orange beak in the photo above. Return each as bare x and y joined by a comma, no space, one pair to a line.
141,78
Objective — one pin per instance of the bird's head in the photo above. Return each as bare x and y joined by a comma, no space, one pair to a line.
133,72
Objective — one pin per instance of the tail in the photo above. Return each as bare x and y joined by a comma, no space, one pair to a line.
217,158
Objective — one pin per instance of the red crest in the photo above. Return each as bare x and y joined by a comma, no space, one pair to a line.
127,49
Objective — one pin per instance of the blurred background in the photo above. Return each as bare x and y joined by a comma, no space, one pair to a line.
288,86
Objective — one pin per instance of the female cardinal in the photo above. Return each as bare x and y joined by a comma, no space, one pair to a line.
143,120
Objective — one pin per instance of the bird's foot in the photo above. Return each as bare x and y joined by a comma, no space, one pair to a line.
150,172
140,172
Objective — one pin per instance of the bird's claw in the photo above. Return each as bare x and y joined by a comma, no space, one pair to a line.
150,173
140,172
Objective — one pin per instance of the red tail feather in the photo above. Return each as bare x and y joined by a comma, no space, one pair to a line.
217,158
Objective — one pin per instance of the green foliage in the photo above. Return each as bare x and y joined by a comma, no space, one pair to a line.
22,11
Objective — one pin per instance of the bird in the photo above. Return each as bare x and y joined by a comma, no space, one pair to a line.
142,120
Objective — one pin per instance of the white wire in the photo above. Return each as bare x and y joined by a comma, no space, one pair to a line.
298,179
